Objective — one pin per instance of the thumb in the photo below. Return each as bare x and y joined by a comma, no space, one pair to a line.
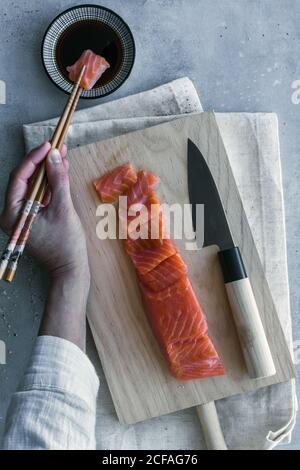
57,175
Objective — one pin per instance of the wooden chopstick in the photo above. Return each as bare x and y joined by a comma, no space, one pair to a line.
56,140
24,235
19,237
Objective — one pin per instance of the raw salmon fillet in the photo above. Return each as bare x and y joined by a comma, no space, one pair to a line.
181,330
113,184
140,212
172,308
154,229
95,67
165,273
147,258
145,184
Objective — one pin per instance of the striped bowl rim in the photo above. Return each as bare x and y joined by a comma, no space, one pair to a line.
80,13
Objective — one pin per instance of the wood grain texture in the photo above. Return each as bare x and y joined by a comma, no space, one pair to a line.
213,434
137,375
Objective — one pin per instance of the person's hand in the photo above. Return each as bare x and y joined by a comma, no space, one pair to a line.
57,238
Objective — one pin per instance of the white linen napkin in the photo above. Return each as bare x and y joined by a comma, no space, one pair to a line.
257,420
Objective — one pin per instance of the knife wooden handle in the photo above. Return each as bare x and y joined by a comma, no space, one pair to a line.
211,428
246,316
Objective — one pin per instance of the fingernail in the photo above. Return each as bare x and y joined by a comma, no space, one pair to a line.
54,156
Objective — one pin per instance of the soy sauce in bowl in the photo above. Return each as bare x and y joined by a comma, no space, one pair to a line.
94,35
88,27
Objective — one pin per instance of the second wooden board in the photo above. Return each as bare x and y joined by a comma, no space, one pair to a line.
138,378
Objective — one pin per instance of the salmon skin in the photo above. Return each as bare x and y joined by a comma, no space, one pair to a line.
171,305
95,67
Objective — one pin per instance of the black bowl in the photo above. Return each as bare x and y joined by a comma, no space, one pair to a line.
88,27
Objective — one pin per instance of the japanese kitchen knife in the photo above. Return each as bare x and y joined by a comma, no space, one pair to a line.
203,190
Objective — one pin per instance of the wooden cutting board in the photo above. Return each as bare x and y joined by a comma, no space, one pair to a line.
136,372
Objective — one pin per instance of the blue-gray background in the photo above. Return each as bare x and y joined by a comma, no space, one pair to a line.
242,55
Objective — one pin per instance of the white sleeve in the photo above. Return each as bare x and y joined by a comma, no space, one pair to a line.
55,407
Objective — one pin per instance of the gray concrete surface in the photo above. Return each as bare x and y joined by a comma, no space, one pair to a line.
243,55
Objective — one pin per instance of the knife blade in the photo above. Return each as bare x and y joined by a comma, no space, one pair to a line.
252,337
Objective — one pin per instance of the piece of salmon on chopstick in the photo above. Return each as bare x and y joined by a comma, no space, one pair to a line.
95,68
